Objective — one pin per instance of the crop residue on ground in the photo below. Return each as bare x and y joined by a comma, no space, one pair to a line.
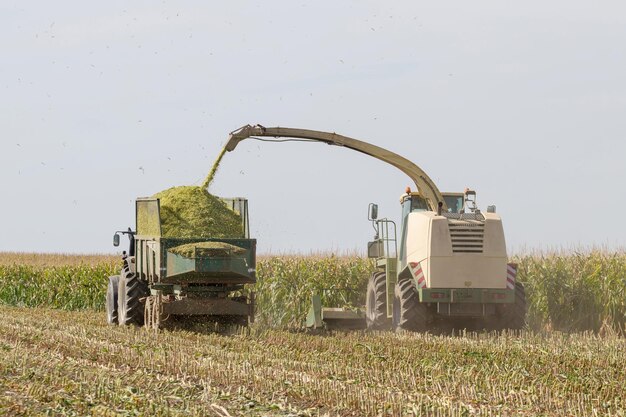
74,364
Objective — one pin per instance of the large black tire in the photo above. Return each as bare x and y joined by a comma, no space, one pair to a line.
111,299
408,312
130,309
376,302
514,315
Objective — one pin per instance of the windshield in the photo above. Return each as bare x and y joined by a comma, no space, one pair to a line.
454,203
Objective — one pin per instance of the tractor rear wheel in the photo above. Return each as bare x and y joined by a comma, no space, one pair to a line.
376,302
111,299
514,316
408,312
130,309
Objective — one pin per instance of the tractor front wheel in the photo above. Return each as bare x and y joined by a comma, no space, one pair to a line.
376,302
111,299
129,307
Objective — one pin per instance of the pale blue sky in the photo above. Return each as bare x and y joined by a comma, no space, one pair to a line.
101,102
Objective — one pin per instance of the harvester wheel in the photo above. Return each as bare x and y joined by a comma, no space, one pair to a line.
514,316
131,291
376,302
408,312
111,299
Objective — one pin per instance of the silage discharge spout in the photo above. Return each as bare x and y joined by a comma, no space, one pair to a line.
424,184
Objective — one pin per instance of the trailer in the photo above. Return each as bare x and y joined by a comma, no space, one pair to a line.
168,279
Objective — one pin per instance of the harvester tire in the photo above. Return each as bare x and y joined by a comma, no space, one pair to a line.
408,312
376,302
514,316
131,290
111,299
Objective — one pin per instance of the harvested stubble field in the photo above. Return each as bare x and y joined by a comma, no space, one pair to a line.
71,363
59,362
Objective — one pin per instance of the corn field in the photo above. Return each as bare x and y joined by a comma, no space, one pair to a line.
574,292
286,284
566,292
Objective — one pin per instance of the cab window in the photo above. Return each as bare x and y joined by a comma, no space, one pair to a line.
418,204
454,203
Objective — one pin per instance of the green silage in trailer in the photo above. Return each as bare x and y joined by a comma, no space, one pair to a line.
192,212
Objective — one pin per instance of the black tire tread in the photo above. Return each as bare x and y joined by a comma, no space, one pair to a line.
131,290
414,315
376,316
112,299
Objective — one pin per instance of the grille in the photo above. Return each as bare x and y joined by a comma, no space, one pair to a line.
467,235
464,216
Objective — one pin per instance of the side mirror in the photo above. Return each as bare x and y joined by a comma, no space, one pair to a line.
373,212
116,240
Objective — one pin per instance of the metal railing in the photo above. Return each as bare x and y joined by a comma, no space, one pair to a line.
387,234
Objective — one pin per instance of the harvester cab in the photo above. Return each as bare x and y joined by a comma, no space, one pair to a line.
454,201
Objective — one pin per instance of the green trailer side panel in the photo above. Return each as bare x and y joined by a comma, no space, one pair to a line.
234,269
181,269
